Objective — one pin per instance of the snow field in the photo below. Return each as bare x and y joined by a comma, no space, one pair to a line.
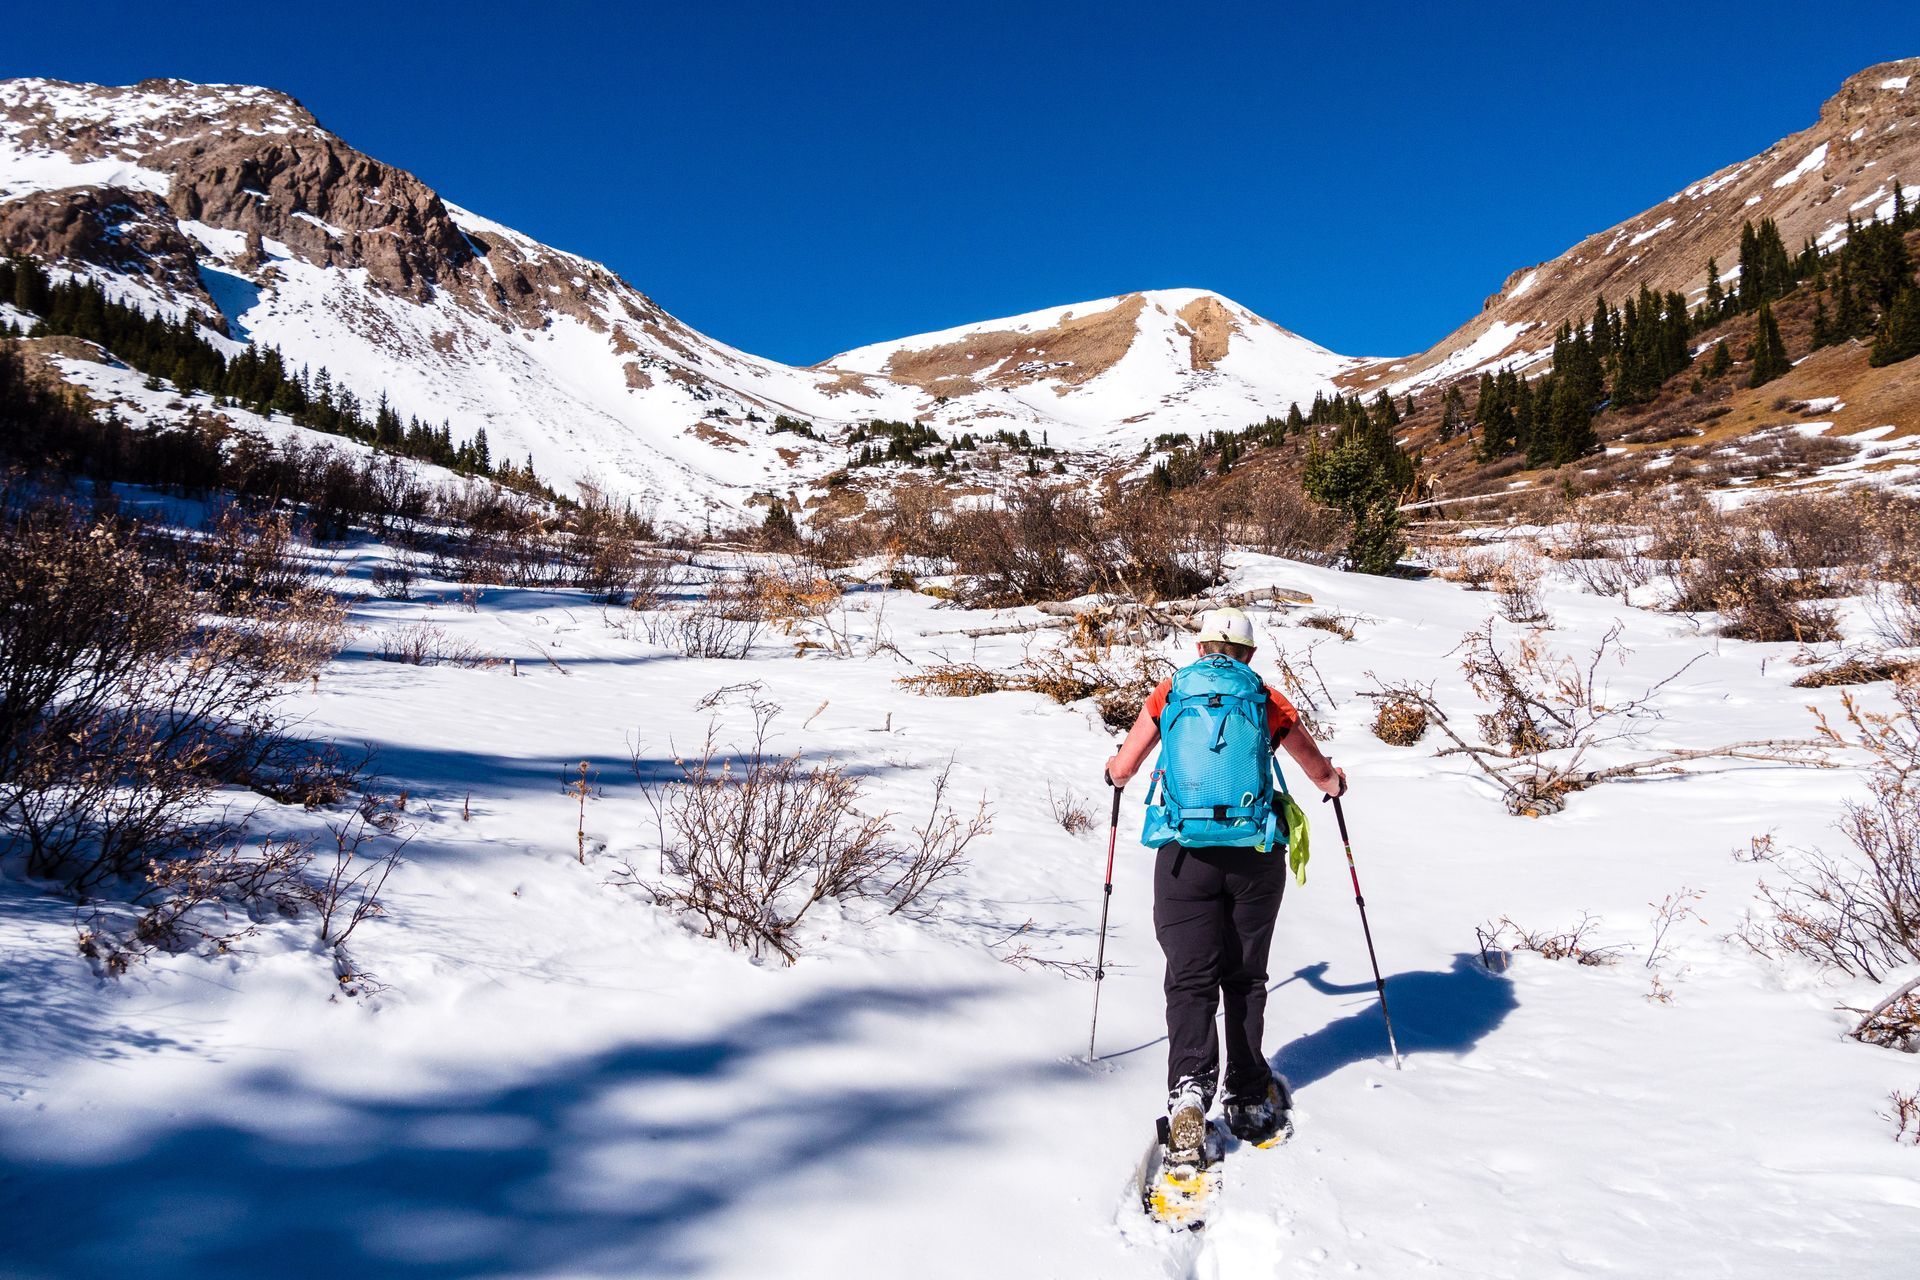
561,1080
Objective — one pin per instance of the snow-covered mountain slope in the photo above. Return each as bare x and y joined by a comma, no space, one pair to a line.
1844,165
232,203
1115,370
564,1079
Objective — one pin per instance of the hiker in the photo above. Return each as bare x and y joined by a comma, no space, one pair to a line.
1221,869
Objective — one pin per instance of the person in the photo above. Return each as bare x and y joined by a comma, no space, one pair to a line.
1215,902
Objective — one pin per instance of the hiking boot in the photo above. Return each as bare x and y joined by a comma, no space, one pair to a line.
1187,1124
1258,1120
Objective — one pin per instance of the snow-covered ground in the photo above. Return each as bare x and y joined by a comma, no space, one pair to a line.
559,1079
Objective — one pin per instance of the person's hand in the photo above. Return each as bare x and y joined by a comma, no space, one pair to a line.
1107,773
1338,787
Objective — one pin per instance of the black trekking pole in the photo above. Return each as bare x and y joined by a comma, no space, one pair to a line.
1100,955
1379,983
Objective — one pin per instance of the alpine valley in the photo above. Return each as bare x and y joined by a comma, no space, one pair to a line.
233,208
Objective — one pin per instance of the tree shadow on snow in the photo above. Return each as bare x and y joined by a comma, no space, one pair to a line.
39,1034
1434,1011
581,1170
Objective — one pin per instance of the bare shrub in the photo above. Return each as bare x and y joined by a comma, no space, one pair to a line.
1855,668
363,852
1047,542
1070,811
1028,548
1021,955
1118,681
124,700
1668,912
914,521
1904,1115
1549,713
208,902
1570,944
393,581
1401,717
1618,575
423,644
936,853
1894,1022
959,680
1279,519
1151,549
601,545
1894,608
1857,912
725,623
1474,567
1306,688
1893,601
751,840
1754,606
794,593
205,902
1518,582
1760,566
1338,624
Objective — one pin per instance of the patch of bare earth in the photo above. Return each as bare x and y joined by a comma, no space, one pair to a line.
842,381
1210,330
714,435
1073,351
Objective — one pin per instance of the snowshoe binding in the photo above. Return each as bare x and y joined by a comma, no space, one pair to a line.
1265,1121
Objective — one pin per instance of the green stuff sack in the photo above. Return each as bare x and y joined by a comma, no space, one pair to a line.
1294,818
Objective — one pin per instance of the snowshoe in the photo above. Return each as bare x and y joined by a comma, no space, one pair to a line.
1177,1186
1263,1122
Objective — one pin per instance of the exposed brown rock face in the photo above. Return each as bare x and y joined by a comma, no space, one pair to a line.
128,232
253,160
330,204
1870,132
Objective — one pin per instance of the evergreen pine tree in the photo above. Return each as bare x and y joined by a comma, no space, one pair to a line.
1722,361
1900,336
1716,302
1570,426
1768,353
779,527
1849,316
1822,326
1453,413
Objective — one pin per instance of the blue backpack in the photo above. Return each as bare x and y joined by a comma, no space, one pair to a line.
1215,779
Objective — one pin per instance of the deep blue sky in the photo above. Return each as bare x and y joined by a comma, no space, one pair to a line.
801,178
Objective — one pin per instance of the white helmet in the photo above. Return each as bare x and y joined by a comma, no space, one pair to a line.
1229,625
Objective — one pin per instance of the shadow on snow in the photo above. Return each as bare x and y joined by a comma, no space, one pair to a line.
559,1174
1434,1011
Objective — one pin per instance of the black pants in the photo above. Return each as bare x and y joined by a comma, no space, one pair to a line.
1213,911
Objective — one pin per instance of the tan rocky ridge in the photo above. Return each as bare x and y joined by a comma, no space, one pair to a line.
1844,163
